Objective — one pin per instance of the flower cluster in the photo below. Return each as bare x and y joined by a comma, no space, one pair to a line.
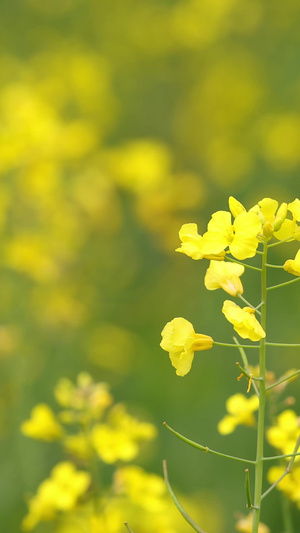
89,428
225,243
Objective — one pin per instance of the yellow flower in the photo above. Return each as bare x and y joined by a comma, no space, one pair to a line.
294,208
192,242
240,237
78,446
240,409
146,490
236,208
284,434
42,425
290,484
293,265
119,438
60,492
244,525
181,341
243,320
226,276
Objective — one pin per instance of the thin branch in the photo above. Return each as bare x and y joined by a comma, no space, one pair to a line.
248,303
287,470
205,448
283,380
183,512
282,284
244,264
235,345
128,527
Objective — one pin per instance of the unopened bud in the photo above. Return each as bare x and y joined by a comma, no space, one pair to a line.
280,216
268,229
235,207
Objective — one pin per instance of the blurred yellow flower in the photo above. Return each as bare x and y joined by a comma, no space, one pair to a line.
283,435
181,341
240,237
60,492
226,276
244,525
119,437
290,484
243,320
240,409
78,446
192,244
42,425
293,265
144,489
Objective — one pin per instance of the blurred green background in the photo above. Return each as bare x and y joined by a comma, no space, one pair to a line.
121,120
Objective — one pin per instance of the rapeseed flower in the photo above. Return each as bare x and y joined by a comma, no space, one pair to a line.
60,492
289,485
119,437
243,320
192,244
240,409
293,265
283,435
181,341
226,276
42,425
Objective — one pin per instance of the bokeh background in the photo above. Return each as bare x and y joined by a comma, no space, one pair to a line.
119,122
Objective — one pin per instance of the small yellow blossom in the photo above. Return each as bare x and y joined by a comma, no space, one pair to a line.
283,435
293,265
226,276
146,490
78,446
240,237
181,341
42,425
290,484
243,320
192,242
240,409
119,438
236,208
244,525
60,492
294,208
271,217
86,396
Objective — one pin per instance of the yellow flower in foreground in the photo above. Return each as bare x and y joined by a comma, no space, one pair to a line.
226,276
60,492
284,434
181,341
192,242
240,409
42,425
243,320
240,237
244,525
293,265
294,208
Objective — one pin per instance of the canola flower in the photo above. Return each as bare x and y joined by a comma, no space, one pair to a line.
181,341
42,425
243,320
60,492
240,409
226,276
250,233
284,433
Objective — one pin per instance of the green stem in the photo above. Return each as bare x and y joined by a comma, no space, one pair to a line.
244,264
205,448
283,284
289,239
182,511
277,457
128,527
274,266
248,303
262,399
235,345
282,345
283,380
